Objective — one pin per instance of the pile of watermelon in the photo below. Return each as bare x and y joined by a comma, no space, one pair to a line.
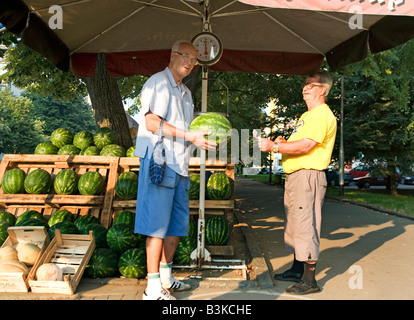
218,186
101,143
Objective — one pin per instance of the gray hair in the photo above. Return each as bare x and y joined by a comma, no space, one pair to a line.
176,46
325,78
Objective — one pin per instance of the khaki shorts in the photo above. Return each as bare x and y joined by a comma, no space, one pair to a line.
304,194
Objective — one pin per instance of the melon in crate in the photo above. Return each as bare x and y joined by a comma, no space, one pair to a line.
83,139
49,272
133,263
90,183
69,149
121,237
126,186
38,181
28,253
8,253
130,152
90,151
113,150
66,182
125,217
102,264
61,137
194,190
13,181
217,231
104,136
218,186
59,216
46,148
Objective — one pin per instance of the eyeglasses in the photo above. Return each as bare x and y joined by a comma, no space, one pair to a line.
312,85
186,57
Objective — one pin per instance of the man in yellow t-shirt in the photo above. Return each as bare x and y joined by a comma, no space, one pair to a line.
305,156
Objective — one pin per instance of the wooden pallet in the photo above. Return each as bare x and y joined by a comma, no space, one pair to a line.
71,252
17,281
100,205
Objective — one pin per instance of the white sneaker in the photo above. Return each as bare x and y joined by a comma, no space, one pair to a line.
162,295
176,286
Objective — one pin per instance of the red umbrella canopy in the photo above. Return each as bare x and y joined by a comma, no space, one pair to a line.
269,36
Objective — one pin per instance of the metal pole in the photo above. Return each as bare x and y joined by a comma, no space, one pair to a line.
341,148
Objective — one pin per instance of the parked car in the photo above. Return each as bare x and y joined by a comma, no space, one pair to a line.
332,176
264,171
360,171
407,179
369,180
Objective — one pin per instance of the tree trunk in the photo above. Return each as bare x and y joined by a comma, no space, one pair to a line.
107,103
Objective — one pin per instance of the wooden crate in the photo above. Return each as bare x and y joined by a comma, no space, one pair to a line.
102,204
17,281
71,252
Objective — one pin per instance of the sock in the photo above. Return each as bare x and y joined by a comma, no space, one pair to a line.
166,274
297,266
309,272
154,283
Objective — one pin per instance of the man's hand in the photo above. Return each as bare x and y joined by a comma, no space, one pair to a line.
199,140
265,145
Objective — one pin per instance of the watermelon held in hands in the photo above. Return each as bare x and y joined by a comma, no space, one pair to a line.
218,186
99,232
69,149
90,183
59,216
217,124
61,137
37,182
126,186
133,263
83,139
102,264
121,237
13,181
216,231
66,182
46,148
83,221
7,217
113,150
90,151
104,137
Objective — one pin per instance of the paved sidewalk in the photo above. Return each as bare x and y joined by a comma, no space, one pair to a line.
365,254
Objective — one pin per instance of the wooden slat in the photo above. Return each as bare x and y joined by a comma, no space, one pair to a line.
50,199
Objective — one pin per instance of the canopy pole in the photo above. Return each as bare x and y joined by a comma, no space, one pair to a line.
341,147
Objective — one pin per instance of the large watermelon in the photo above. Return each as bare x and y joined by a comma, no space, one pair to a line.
90,151
104,137
65,227
113,150
194,190
102,264
127,185
99,232
38,181
185,247
46,148
90,183
133,263
32,222
216,231
66,182
3,231
13,181
59,216
217,124
69,149
61,137
192,229
29,214
7,217
125,217
83,139
218,186
83,221
130,152
121,237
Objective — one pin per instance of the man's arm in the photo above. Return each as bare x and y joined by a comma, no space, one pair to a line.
298,147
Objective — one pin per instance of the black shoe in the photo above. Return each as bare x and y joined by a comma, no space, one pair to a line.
288,275
303,287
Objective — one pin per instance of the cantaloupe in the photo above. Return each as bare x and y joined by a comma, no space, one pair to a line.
49,272
28,253
8,253
13,266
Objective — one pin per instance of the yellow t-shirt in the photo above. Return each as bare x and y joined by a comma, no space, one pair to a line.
319,124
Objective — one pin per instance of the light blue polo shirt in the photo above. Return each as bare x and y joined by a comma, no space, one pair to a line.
174,104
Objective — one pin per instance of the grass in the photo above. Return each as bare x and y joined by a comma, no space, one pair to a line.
402,203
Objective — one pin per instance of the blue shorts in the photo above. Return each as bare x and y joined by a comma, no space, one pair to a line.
162,210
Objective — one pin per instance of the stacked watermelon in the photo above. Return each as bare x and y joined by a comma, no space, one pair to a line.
126,186
186,245
103,142
217,231
31,218
6,220
218,186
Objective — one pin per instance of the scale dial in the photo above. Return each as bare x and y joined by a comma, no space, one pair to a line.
209,48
